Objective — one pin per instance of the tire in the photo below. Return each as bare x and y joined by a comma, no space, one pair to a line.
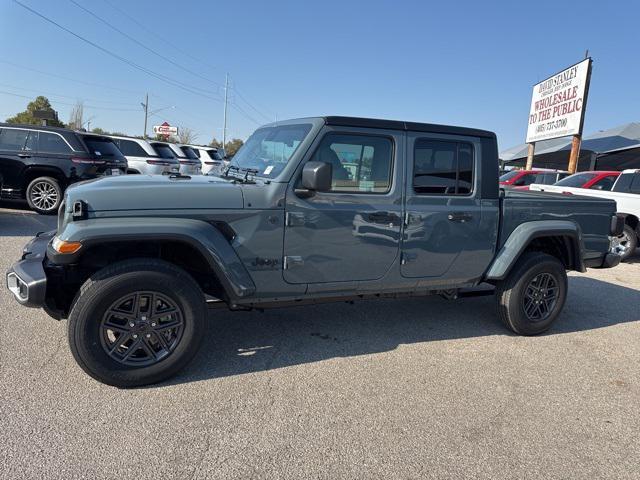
44,195
625,245
518,293
105,308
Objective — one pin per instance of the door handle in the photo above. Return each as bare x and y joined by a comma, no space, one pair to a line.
460,217
24,155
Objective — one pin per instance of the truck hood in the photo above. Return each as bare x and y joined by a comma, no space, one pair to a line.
155,192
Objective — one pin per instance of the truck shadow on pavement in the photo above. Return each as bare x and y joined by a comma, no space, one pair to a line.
247,342
17,220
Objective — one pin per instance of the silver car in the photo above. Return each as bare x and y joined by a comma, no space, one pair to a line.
143,158
188,160
212,162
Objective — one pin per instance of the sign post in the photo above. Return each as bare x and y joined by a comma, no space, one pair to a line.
557,109
530,152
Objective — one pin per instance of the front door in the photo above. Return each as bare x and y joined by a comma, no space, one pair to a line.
450,232
15,153
351,232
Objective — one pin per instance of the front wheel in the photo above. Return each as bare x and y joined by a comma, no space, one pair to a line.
137,322
532,295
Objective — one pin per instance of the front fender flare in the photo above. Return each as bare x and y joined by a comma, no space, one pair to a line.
204,237
524,233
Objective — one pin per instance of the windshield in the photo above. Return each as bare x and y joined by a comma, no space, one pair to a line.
102,147
577,180
269,149
163,150
509,175
189,152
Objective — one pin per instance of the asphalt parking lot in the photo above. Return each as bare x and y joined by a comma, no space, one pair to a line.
421,388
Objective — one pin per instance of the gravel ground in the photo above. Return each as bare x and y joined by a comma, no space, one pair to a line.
421,388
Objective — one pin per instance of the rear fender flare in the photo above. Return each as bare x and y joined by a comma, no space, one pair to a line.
522,236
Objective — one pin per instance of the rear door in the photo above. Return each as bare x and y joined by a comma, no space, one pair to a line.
449,233
352,232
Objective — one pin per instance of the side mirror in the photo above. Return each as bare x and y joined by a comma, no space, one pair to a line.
316,176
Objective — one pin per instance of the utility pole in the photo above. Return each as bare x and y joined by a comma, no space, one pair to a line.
224,123
146,113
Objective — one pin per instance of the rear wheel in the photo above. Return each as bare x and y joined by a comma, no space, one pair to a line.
44,195
137,322
533,294
625,245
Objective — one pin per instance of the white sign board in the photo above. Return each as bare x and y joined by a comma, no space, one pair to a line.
165,130
558,103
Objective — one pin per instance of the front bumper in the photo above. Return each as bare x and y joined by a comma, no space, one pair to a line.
27,279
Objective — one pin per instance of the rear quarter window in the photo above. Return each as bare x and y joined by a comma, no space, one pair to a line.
52,143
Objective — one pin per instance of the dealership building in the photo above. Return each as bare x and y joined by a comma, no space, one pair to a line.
614,149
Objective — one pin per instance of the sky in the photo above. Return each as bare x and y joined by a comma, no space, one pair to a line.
462,63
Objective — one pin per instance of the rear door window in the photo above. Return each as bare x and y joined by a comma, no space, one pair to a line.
13,139
442,167
52,143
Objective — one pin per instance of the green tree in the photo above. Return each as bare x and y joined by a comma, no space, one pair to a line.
26,117
233,146
230,148
99,131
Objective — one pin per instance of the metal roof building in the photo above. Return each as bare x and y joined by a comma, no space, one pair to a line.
613,149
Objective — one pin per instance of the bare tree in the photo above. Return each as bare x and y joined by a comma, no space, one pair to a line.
76,119
186,135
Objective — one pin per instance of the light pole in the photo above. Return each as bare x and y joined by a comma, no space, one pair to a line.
145,105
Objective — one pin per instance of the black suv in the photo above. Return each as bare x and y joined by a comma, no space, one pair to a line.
38,163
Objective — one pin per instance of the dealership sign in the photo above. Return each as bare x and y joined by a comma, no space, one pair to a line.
558,104
165,129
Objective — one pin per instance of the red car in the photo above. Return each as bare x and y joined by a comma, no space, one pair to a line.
521,179
603,180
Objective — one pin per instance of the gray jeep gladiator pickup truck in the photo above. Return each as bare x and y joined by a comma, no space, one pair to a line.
309,210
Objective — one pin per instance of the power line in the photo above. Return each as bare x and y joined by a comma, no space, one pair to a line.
161,77
69,79
137,42
242,97
150,31
92,107
49,94
244,113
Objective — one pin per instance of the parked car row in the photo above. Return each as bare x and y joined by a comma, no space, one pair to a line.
623,187
37,163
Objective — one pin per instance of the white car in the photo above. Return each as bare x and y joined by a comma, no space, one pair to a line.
626,193
143,158
212,161
188,160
